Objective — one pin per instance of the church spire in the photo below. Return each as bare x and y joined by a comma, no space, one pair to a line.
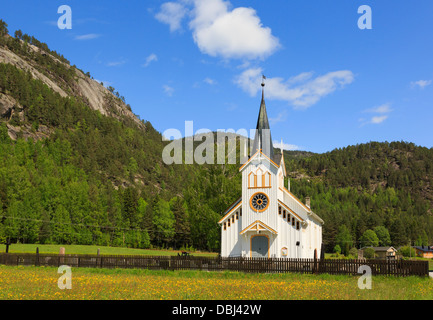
263,138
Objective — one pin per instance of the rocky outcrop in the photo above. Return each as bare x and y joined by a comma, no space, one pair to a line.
7,104
100,98
94,94
7,56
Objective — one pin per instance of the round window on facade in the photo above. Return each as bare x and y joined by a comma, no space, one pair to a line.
259,202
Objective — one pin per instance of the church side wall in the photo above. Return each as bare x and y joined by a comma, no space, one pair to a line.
230,244
287,238
313,238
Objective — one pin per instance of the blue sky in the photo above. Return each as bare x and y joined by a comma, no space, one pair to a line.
329,83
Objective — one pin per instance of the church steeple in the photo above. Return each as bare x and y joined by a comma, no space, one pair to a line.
263,138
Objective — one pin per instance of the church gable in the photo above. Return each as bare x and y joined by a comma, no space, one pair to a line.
259,155
258,226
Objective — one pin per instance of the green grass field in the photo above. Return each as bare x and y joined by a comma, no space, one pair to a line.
41,283
79,249
30,283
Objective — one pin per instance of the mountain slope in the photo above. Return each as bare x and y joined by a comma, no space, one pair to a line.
370,185
59,76
77,166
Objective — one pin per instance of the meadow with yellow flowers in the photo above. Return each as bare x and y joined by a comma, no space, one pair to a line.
41,283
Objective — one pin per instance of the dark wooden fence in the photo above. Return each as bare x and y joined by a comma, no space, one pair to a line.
258,265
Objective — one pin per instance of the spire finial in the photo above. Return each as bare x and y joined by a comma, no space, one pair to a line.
263,80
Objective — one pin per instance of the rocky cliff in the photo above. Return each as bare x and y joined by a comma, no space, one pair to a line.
39,64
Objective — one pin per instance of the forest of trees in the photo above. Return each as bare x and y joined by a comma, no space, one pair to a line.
101,180
370,185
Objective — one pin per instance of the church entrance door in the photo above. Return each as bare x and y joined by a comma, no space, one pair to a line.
259,246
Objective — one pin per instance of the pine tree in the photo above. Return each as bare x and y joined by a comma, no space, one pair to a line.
383,236
344,239
3,28
163,221
182,227
369,239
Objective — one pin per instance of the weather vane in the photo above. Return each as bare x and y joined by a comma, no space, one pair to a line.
263,80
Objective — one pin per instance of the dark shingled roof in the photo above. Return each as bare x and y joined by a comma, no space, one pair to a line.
277,158
424,248
234,204
263,138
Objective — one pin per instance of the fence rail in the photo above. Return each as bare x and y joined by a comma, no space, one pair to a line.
254,265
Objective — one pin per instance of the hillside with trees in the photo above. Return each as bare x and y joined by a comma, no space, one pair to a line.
371,185
74,173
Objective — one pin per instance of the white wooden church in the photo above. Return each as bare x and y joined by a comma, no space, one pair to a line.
268,220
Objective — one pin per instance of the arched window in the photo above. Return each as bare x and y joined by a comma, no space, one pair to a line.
252,180
260,178
267,180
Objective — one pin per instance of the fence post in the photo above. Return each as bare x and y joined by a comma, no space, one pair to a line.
37,257
315,261
62,252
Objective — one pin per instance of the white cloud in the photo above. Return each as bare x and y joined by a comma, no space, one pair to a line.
385,108
238,33
302,91
168,90
89,36
281,117
286,146
117,63
421,83
151,58
210,81
381,112
220,31
379,119
172,13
